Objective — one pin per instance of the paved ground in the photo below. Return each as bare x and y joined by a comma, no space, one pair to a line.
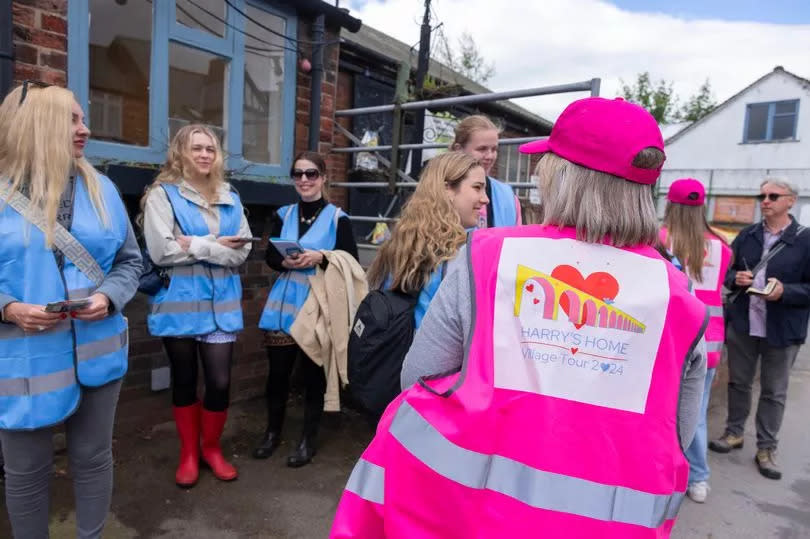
270,500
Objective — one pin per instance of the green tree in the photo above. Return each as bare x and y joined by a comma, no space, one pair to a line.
467,60
699,105
659,99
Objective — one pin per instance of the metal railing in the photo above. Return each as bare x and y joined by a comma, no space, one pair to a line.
398,179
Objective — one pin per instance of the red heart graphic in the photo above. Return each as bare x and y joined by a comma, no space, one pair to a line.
600,284
530,288
574,351
536,301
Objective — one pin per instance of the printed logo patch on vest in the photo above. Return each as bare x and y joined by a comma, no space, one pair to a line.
586,319
711,266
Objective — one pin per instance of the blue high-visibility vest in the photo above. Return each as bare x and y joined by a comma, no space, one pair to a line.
202,297
41,373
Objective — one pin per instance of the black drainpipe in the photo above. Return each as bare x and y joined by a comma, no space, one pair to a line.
6,48
318,30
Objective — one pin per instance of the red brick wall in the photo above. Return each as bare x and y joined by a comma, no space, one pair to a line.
40,40
330,97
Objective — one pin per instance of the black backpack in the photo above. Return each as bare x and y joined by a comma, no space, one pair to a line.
380,337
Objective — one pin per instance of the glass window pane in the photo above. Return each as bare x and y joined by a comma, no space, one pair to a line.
205,15
196,88
263,113
757,122
786,107
120,52
783,127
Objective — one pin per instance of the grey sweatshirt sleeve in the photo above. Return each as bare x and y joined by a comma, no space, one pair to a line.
5,299
692,384
121,283
439,344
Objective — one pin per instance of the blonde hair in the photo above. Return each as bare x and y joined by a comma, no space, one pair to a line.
600,206
8,108
686,236
37,151
469,125
429,231
173,170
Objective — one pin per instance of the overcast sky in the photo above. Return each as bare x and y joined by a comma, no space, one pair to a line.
545,42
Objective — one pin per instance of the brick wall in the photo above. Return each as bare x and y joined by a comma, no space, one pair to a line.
40,40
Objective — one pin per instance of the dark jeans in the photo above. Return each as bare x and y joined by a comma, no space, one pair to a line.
282,360
743,353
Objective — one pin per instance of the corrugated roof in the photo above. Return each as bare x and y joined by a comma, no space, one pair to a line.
385,45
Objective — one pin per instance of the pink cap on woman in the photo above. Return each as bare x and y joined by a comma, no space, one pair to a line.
687,191
604,135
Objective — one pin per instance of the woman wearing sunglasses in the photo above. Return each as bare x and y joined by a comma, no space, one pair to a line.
317,226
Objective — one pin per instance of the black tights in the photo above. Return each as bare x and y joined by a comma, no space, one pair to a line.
282,360
216,361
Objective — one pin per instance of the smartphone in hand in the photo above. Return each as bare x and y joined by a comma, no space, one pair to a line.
67,305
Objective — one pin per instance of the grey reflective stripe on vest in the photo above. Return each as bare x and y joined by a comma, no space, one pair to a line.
276,306
183,271
103,347
35,385
181,307
297,277
537,488
193,270
714,346
11,331
367,481
715,310
81,293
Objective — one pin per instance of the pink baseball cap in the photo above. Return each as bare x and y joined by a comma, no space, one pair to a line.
687,191
604,135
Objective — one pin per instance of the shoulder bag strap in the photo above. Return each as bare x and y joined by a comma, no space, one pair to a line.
63,239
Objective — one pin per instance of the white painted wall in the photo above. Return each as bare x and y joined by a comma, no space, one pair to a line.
716,144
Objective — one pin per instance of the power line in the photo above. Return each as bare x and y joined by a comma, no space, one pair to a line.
279,34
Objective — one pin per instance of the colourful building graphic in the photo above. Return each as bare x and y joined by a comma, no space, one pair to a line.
583,308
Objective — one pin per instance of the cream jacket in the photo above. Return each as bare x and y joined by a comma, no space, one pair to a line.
322,326
160,230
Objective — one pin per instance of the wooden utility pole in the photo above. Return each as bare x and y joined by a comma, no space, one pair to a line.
421,73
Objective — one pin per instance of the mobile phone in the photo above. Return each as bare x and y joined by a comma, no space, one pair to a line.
254,238
286,248
67,305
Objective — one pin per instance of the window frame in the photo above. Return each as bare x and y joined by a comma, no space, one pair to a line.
769,122
166,29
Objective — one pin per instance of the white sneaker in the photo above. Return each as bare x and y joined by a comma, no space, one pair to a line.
698,491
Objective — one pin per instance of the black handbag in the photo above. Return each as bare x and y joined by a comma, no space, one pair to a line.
153,278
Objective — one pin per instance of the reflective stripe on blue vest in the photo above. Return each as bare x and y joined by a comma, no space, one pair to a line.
202,297
504,212
290,291
39,371
533,487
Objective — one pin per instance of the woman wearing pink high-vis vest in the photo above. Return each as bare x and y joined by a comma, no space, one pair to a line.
566,382
706,257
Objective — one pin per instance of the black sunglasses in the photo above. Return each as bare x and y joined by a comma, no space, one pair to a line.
27,83
310,173
773,197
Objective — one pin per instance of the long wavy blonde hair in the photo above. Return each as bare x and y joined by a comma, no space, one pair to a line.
429,229
174,171
686,229
37,151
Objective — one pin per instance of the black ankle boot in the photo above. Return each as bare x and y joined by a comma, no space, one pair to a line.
303,453
270,441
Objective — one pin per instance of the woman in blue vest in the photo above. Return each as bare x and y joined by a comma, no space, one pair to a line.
477,136
195,228
317,226
431,228
59,367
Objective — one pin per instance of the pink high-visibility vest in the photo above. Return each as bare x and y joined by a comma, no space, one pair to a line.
563,419
710,292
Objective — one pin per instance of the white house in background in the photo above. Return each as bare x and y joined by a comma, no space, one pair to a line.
761,132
